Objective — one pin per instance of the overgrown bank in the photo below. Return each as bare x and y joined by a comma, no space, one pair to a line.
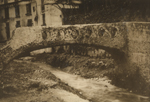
27,82
90,67
30,79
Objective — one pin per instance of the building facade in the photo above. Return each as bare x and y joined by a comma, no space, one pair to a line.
24,13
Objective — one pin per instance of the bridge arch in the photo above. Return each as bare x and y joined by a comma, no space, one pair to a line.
129,41
107,36
118,55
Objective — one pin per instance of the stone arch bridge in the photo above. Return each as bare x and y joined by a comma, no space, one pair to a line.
130,39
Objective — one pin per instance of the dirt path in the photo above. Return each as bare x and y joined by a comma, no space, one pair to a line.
96,90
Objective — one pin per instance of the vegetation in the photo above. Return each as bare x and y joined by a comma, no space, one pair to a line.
89,67
106,11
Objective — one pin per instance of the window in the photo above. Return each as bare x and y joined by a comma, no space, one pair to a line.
7,30
42,3
1,1
17,12
5,1
29,22
33,9
18,24
43,17
7,13
28,8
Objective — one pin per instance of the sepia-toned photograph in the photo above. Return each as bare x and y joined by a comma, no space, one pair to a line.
74,50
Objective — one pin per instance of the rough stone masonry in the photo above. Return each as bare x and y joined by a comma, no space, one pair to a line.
133,39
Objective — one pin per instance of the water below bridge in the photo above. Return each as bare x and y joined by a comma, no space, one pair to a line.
95,89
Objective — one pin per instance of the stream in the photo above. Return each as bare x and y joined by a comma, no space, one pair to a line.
94,89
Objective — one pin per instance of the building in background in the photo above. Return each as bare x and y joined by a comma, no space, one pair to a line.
23,13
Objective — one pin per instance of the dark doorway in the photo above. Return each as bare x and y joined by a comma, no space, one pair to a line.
29,22
7,30
18,24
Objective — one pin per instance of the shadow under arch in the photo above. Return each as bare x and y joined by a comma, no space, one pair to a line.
118,55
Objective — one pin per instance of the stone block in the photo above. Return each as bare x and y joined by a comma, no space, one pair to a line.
36,52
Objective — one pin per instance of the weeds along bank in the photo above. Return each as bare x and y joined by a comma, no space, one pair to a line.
94,67
34,82
26,82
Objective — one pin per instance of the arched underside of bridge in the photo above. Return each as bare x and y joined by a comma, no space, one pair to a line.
106,36
116,54
131,40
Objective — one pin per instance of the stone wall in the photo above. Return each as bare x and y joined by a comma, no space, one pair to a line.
139,47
